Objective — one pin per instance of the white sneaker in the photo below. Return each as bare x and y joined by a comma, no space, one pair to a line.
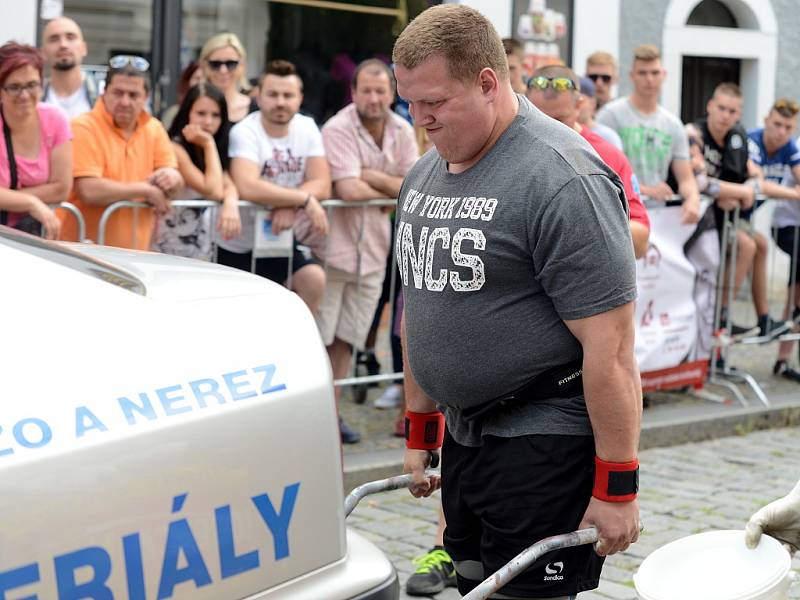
391,397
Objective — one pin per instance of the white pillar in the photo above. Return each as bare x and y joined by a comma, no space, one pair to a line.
595,27
18,22
497,11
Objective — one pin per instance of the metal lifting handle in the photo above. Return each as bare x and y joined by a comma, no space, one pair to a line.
527,557
375,487
514,567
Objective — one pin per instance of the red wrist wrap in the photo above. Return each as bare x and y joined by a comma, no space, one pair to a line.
615,482
424,431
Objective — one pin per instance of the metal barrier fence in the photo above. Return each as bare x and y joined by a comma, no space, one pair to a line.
720,371
722,375
359,383
76,214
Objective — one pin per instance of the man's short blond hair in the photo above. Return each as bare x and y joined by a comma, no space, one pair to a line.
512,46
461,35
646,53
601,58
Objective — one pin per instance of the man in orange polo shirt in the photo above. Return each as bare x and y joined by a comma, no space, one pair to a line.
122,153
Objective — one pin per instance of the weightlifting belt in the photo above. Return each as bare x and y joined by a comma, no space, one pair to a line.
561,381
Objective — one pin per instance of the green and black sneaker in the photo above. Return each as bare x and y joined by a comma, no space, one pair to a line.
435,571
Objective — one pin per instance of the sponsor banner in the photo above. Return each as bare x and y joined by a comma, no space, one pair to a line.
676,281
686,374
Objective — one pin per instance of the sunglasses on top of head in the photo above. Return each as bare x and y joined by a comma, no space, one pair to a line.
559,84
123,60
216,65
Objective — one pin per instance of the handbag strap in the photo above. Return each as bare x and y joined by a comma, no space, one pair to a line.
12,164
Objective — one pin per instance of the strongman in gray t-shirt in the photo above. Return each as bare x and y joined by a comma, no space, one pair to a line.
494,259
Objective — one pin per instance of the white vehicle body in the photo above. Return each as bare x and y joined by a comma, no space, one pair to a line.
168,431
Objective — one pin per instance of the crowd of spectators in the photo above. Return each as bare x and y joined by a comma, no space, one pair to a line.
230,139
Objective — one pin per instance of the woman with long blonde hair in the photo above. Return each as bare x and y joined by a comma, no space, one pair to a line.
224,59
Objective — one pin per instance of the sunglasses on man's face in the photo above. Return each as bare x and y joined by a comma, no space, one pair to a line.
601,76
559,84
123,60
216,65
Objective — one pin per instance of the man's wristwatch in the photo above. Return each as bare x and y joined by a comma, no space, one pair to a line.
713,187
615,482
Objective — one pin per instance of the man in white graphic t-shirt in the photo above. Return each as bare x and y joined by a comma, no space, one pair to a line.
278,160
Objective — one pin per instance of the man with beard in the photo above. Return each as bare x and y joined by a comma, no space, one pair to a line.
64,50
370,149
277,160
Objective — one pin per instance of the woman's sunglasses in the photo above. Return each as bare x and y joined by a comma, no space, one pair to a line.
216,65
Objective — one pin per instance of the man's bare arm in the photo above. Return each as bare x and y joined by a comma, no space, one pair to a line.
101,191
641,236
611,381
247,177
416,461
613,393
355,189
318,178
687,188
388,185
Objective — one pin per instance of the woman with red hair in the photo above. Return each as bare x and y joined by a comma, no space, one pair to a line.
35,149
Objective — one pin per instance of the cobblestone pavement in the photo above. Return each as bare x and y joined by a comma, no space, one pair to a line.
686,489
377,426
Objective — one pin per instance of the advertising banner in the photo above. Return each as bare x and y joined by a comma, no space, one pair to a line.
676,281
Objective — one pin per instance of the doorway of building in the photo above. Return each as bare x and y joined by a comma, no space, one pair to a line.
701,74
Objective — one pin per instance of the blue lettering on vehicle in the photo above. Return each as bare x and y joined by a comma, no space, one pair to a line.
84,572
33,433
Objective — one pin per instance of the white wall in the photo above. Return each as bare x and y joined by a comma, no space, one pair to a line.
756,45
588,35
18,21
497,11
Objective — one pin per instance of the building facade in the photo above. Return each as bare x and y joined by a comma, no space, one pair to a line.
702,42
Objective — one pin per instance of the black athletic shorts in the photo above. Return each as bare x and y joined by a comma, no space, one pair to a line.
785,239
274,269
504,496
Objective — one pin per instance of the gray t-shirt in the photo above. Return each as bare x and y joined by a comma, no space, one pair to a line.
651,142
494,259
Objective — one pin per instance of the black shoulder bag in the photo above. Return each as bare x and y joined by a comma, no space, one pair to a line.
27,223
12,167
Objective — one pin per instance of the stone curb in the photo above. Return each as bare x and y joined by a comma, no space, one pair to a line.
369,466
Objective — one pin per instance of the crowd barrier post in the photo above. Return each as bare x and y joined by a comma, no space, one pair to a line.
727,372
329,206
212,205
77,215
720,350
